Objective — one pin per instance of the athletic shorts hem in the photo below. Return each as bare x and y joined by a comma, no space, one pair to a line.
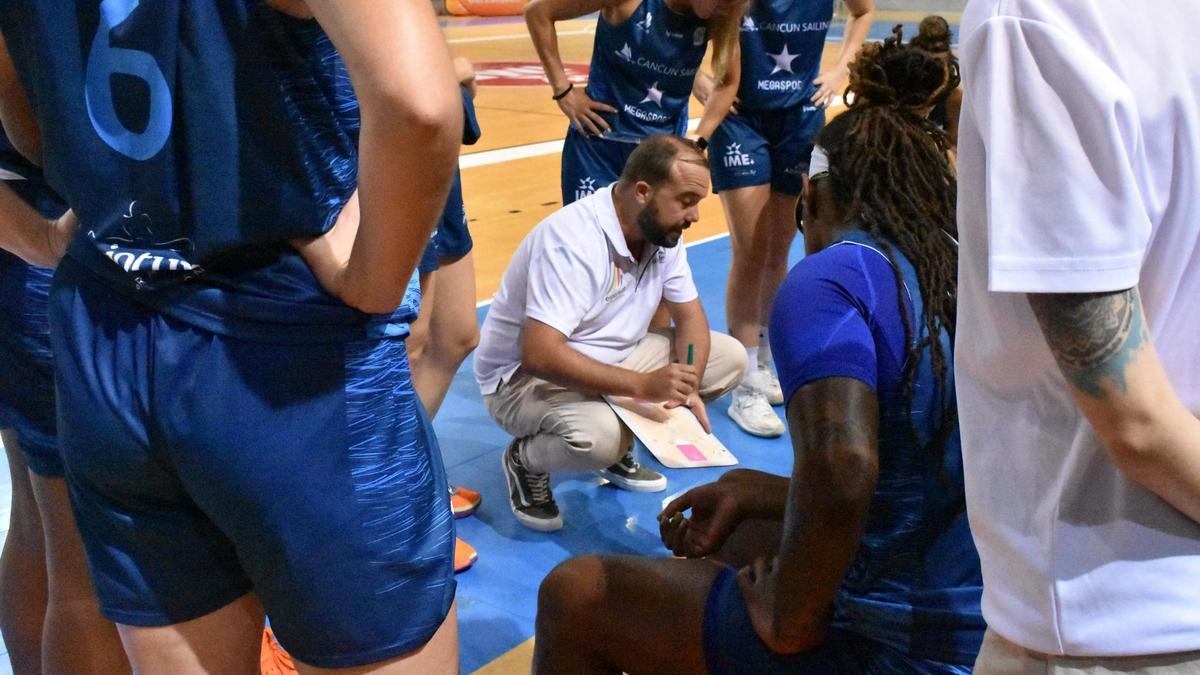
44,468
359,659
41,457
151,619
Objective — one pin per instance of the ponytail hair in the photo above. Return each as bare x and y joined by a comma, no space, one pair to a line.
724,32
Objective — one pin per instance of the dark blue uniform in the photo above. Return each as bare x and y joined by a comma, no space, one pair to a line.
26,366
231,426
910,602
645,68
769,139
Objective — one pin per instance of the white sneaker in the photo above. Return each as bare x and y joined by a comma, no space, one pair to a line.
770,385
753,414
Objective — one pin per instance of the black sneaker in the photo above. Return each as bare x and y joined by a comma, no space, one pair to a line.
634,477
529,493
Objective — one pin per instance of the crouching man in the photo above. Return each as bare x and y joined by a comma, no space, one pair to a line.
571,323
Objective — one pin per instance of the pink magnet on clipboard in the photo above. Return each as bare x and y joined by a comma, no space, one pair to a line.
691,452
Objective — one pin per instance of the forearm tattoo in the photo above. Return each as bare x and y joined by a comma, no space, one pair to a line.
1093,336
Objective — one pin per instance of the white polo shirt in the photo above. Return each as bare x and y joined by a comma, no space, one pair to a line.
1079,170
574,272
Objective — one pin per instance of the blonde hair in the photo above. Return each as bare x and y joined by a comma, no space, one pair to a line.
724,32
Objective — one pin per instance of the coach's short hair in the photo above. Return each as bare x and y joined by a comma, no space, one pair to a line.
652,159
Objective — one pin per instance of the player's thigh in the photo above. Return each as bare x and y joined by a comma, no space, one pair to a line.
226,640
647,614
454,321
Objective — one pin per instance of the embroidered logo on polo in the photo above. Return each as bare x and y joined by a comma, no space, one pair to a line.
614,283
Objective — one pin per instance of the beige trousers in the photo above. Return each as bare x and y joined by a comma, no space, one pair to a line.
999,656
570,431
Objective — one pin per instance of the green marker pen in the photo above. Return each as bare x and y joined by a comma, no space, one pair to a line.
691,354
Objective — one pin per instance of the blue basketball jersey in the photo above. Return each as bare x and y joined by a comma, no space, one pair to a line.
782,41
645,68
194,139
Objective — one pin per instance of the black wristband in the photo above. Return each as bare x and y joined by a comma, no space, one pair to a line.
559,96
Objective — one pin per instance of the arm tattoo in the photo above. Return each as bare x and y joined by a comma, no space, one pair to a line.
1093,336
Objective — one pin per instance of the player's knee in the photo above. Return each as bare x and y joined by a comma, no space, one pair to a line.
750,255
417,341
570,592
464,342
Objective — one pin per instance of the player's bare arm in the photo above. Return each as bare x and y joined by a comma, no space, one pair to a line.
1104,349
540,17
831,82
721,94
17,117
402,73
835,428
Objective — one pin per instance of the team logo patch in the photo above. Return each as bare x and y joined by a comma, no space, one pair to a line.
586,187
523,73
735,157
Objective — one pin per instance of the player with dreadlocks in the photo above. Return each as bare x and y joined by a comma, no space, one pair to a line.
862,561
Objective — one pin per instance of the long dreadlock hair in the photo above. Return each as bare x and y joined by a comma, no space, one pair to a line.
889,165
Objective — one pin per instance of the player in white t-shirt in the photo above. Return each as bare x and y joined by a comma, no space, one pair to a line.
570,323
1076,360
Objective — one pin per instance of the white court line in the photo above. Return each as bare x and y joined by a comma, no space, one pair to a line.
721,235
518,36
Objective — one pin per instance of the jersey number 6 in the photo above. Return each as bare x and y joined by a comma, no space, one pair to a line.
104,61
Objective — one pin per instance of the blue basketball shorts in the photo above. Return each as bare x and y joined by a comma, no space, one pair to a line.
451,240
590,163
26,365
203,467
731,645
760,147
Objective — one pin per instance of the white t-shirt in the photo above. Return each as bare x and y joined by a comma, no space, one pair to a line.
1079,171
574,272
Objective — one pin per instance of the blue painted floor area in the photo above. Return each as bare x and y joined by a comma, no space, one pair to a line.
497,598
